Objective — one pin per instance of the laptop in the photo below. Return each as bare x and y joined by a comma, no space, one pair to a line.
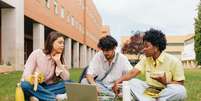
81,92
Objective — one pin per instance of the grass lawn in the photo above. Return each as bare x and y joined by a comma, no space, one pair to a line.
193,84
8,84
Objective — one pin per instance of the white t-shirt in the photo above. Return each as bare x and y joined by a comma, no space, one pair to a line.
99,66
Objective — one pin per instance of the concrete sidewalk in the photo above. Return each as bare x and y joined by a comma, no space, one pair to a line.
6,69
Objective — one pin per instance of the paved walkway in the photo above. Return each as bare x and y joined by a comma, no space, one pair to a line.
6,69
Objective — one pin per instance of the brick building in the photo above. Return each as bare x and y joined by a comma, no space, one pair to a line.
25,24
188,53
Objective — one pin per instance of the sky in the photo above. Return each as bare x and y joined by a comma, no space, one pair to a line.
173,17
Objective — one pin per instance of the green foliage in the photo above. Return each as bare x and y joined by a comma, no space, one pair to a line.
197,37
134,45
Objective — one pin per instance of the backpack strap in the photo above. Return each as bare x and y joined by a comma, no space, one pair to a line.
106,74
83,74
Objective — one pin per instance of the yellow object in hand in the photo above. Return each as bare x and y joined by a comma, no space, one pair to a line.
152,92
41,77
19,94
35,79
31,79
36,74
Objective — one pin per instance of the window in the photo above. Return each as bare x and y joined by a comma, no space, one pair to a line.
47,3
72,21
68,17
76,24
56,7
62,12
80,27
82,4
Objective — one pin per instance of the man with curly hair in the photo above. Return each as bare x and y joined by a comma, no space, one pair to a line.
163,72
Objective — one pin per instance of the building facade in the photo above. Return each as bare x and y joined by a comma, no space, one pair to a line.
25,25
175,45
105,30
188,53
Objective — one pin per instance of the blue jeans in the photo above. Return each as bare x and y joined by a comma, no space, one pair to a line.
45,92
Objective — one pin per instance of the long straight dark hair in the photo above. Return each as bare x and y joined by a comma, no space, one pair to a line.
52,36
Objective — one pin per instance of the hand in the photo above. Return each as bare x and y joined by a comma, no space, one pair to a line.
161,79
116,87
30,79
98,90
56,58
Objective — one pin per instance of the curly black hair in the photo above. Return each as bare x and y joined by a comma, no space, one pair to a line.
107,43
156,38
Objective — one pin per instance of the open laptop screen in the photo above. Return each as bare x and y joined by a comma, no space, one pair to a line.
81,92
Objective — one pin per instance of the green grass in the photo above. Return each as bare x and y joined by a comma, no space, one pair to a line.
75,74
193,84
8,84
9,81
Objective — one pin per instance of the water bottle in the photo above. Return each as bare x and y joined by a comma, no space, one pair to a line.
19,94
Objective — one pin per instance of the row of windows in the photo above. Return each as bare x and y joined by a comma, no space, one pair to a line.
71,19
92,36
89,12
75,23
189,41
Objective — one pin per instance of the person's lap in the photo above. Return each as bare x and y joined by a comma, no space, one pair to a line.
171,92
46,92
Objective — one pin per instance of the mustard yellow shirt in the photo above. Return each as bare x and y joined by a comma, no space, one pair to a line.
170,65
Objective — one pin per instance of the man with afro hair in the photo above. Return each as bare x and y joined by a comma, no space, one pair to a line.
163,72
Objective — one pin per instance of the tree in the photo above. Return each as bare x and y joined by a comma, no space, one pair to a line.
134,45
197,36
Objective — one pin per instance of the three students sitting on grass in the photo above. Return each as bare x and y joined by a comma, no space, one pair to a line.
108,69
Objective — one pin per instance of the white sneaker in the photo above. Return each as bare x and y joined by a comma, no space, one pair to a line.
61,97
33,98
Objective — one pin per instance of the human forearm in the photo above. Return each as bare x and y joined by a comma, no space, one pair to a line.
162,79
175,82
131,74
65,75
62,72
